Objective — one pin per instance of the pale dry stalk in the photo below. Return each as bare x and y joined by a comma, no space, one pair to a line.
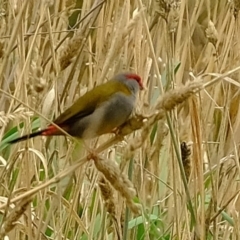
120,37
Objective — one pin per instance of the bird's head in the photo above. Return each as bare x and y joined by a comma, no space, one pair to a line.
133,76
130,77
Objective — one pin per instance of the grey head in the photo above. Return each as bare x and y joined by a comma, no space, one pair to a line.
132,80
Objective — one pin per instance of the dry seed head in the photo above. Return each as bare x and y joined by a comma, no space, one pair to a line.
174,97
236,4
132,23
118,180
162,7
235,7
37,82
186,158
70,50
40,85
173,18
211,33
75,45
131,125
105,188
165,7
107,194
19,113
11,219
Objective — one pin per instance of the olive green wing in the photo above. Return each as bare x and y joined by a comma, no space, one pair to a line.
86,104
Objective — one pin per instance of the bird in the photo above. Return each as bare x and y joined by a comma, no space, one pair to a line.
99,111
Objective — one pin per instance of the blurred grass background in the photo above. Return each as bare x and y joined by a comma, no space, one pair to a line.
183,167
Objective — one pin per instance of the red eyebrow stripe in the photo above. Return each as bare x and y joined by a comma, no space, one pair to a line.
136,77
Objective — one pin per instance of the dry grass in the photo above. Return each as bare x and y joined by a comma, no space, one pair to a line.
173,173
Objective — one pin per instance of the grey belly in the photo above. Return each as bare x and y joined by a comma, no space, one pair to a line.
105,118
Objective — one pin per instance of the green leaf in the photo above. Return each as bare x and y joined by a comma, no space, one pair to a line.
227,218
139,220
97,225
14,132
140,232
84,237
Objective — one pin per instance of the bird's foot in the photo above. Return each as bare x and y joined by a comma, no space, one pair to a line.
117,132
92,156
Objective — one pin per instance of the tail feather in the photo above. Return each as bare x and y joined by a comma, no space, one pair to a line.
49,131
25,137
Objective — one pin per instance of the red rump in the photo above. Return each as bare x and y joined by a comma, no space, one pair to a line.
50,130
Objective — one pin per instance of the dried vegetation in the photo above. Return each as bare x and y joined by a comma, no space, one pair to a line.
173,171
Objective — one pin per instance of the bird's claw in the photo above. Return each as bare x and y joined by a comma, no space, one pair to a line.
92,156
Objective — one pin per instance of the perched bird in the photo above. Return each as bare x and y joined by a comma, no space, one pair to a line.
99,111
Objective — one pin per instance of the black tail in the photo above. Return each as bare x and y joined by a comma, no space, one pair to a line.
25,137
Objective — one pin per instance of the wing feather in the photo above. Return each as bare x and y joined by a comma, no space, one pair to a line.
86,104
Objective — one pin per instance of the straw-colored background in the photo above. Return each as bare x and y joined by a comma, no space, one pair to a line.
176,174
